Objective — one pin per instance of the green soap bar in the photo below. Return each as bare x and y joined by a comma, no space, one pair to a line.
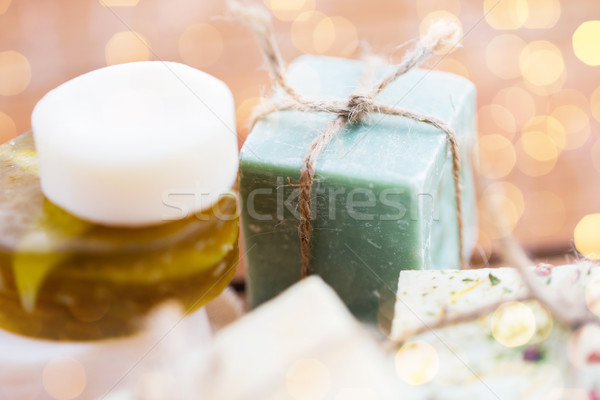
383,191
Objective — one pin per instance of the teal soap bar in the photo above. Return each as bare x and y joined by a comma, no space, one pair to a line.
383,192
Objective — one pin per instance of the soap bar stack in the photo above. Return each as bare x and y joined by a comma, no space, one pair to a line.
383,191
304,344
301,345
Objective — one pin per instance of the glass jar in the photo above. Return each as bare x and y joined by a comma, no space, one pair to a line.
66,279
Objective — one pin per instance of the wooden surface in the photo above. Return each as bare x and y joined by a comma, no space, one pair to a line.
61,39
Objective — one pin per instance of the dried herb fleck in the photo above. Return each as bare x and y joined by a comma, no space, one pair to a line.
493,279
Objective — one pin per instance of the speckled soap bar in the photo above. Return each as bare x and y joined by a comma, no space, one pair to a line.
383,191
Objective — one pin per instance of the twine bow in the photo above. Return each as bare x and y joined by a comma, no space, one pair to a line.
441,36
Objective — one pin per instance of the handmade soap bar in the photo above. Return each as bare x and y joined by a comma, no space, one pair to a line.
519,351
136,144
303,344
383,190
426,296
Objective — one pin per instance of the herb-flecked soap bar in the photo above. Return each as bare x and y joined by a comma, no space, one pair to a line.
383,195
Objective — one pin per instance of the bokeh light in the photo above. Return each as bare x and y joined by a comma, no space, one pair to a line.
308,379
547,90
244,111
502,55
345,36
323,35
550,127
545,213
15,73
497,156
576,125
309,35
566,97
539,146
446,16
596,155
509,192
289,10
429,6
315,32
417,362
543,138
518,101
4,4
587,236
119,3
543,14
586,42
513,324
127,46
495,118
544,322
529,165
8,128
595,103
200,45
541,63
509,202
505,14
64,378
246,101
454,66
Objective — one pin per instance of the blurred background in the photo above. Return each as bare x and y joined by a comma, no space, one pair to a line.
536,64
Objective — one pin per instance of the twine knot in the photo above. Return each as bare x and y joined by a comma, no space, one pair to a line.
442,36
354,109
359,107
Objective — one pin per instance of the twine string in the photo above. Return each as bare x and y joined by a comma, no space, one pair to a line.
351,111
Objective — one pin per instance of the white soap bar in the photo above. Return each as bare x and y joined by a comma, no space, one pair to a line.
303,344
137,144
426,296
510,354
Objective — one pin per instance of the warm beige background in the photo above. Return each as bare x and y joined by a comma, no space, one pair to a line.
539,102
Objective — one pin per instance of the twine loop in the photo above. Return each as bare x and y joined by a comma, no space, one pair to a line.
353,110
